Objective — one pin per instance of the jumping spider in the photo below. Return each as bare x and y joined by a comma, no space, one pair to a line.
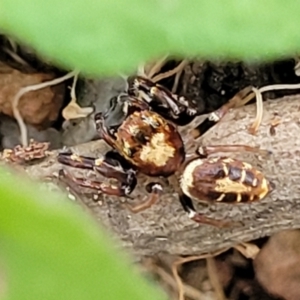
143,140
146,142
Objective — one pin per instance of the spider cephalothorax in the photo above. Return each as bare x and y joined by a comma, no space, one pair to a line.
145,139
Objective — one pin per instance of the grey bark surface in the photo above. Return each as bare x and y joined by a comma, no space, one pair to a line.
165,226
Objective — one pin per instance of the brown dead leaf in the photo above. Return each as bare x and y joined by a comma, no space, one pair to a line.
38,108
277,265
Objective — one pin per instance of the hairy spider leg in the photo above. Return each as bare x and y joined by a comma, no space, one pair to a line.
188,206
155,189
205,151
126,179
241,98
154,93
104,133
110,168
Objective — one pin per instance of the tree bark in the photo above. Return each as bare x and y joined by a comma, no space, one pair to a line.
165,227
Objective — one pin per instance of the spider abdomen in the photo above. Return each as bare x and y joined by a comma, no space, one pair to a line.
223,180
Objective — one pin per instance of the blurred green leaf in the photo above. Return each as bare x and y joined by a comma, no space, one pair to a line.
51,250
109,36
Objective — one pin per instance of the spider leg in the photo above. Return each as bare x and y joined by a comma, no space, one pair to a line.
178,104
155,190
136,103
120,189
241,98
188,206
205,151
104,133
166,98
159,97
151,92
110,168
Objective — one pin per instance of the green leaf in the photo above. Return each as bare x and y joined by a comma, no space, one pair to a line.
51,250
108,36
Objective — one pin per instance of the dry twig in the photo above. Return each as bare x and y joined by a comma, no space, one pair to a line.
214,279
184,260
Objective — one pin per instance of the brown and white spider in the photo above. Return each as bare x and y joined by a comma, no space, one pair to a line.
144,141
